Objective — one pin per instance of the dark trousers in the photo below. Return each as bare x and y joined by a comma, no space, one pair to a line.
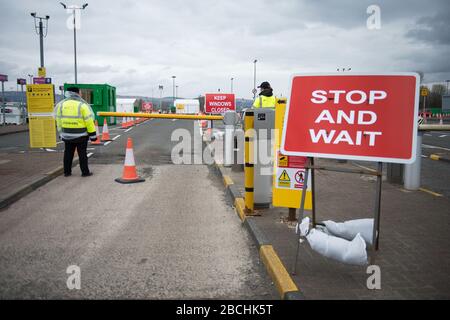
80,144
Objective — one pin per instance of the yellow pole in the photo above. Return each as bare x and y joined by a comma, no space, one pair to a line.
249,163
159,115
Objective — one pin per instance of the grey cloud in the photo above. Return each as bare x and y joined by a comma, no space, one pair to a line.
435,29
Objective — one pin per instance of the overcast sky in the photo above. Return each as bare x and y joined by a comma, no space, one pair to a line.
137,45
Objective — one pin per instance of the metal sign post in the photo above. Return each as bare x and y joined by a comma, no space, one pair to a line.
3,79
300,214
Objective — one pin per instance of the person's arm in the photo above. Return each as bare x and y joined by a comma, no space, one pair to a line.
88,117
256,103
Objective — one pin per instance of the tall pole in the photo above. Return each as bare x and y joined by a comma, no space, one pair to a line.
74,9
41,42
447,84
173,90
232,85
75,45
254,79
3,102
160,96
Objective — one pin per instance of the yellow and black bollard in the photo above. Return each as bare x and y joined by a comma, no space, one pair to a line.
249,163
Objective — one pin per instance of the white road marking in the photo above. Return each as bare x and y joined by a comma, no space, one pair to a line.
50,150
106,143
129,129
434,147
427,134
90,154
59,142
116,137
90,148
4,161
424,156
174,120
443,136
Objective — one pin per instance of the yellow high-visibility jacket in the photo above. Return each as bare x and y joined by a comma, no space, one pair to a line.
267,102
74,119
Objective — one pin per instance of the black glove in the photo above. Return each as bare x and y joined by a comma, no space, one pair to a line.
92,138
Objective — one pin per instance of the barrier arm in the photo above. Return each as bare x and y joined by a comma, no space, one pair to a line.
159,115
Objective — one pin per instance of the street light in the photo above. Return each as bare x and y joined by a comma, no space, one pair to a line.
254,79
39,27
232,84
31,78
74,8
161,88
173,89
447,84
176,91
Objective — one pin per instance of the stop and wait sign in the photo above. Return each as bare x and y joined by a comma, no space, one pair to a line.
370,117
219,102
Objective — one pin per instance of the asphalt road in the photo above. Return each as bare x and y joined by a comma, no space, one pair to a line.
172,236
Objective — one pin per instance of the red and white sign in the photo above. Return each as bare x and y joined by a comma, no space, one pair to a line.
147,107
219,102
370,117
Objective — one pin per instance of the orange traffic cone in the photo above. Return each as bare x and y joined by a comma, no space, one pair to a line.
97,141
129,170
105,132
124,123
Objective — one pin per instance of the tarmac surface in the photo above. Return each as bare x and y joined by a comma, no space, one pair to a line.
172,236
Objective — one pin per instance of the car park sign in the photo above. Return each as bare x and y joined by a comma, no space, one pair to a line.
219,102
371,117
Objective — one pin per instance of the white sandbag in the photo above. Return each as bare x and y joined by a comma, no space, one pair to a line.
303,227
349,229
351,252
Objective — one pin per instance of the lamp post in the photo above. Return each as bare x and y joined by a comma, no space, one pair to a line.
254,79
161,88
176,92
39,27
74,8
232,84
447,84
173,89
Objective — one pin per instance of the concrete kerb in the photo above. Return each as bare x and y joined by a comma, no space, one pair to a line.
274,266
12,132
21,192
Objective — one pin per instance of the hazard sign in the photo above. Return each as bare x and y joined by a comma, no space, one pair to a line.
284,180
371,117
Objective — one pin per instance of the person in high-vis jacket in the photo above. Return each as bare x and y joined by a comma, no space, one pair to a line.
75,123
266,98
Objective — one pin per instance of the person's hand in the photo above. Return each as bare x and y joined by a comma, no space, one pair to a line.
92,138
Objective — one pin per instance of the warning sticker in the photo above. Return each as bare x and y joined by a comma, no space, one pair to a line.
282,160
284,180
299,178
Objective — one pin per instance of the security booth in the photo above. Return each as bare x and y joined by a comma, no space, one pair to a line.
101,97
